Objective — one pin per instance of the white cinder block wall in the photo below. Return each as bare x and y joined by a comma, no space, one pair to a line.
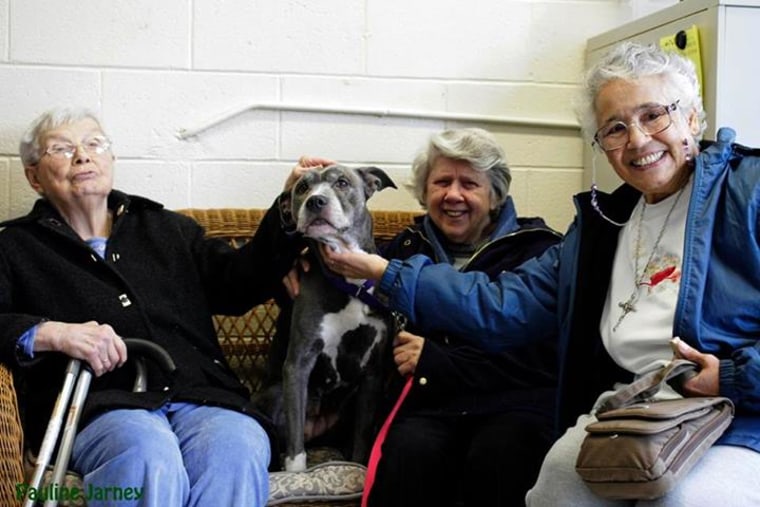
151,68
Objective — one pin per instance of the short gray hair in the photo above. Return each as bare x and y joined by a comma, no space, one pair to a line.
30,148
474,145
629,61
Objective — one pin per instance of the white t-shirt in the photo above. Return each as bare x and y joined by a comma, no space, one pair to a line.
640,342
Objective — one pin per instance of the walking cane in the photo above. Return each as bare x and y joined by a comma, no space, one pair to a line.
82,375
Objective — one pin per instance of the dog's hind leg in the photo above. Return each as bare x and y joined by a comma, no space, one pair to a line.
367,398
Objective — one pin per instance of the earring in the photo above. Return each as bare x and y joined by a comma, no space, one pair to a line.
687,150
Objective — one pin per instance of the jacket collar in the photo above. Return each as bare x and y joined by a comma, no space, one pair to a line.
118,202
505,224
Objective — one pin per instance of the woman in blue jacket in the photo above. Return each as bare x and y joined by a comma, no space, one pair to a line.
673,253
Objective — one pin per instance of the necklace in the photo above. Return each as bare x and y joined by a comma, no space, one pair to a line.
629,305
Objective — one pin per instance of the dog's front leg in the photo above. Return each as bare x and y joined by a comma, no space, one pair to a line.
295,393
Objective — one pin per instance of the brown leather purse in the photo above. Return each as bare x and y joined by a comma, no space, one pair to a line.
639,448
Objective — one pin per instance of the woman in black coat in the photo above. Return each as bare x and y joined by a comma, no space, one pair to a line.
90,265
475,425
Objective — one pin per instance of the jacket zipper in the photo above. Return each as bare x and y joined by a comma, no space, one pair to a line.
501,239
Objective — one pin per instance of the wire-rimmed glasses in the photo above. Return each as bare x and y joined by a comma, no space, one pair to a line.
96,145
650,120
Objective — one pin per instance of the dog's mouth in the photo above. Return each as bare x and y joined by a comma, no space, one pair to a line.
318,227
317,222
326,232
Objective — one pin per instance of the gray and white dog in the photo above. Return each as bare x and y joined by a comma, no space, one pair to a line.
337,340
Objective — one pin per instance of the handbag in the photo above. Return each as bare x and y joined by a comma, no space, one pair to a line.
640,448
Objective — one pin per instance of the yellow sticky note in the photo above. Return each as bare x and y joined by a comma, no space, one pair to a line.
686,42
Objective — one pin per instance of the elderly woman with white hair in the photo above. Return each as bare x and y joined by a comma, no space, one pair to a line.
674,253
90,265
476,421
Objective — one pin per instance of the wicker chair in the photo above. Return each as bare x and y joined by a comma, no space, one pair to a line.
11,471
245,340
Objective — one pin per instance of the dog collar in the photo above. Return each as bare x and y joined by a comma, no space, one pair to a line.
362,292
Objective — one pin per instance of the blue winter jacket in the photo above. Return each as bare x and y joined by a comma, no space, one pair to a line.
718,310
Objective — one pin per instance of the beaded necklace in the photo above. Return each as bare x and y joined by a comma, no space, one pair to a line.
629,305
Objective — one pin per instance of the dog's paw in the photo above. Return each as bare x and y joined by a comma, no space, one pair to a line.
297,463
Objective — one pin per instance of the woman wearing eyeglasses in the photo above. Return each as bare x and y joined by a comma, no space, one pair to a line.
90,265
674,252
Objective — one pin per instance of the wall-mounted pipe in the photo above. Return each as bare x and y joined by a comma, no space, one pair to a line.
187,133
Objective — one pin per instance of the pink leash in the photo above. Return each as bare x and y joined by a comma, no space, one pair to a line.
376,453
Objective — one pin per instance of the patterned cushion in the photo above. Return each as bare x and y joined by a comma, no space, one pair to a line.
338,481
329,481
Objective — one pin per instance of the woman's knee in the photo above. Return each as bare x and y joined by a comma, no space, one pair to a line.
512,442
225,438
136,438
425,439
725,475
557,479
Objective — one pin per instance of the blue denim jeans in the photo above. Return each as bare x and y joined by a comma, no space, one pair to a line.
179,455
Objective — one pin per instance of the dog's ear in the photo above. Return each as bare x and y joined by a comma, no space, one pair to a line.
375,180
285,206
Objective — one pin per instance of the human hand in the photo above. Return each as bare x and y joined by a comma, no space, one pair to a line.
707,380
407,349
292,281
305,164
96,344
354,263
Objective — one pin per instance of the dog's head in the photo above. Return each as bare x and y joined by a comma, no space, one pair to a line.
330,204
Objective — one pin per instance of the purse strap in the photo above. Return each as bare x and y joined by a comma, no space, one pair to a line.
648,385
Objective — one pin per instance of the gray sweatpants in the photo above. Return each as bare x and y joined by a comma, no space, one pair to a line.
726,476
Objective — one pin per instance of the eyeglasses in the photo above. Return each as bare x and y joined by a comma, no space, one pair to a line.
96,145
650,120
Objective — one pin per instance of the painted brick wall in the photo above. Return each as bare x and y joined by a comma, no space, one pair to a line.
151,68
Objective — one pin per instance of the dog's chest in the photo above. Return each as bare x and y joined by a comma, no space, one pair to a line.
350,336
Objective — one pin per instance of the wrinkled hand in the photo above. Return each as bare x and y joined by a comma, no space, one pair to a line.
407,348
354,264
707,380
292,281
97,344
304,164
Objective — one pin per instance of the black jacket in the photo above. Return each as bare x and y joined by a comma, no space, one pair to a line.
161,280
458,377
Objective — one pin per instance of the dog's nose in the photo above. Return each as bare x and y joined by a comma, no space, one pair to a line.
316,202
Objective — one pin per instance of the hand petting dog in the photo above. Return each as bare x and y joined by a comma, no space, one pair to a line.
305,163
357,265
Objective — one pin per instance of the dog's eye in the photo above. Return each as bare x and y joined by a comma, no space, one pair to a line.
341,183
302,187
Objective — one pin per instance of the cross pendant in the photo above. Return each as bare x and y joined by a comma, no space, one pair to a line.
627,307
